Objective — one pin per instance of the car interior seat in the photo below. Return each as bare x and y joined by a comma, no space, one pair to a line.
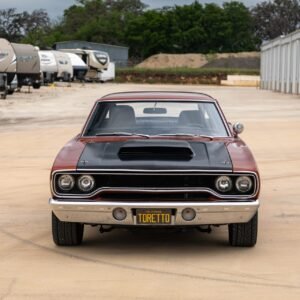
122,116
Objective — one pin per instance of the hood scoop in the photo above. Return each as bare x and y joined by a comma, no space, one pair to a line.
156,150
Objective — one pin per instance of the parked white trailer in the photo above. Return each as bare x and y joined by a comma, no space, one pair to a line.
19,60
80,68
64,66
109,74
97,61
27,65
49,66
280,64
7,66
8,62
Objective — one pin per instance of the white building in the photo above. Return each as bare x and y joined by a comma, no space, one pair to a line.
280,64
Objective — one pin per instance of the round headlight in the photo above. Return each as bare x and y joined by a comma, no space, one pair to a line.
66,182
223,184
243,184
86,183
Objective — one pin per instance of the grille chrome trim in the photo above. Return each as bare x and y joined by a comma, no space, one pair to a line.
153,190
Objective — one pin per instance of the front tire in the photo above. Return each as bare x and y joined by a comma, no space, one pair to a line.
243,234
66,233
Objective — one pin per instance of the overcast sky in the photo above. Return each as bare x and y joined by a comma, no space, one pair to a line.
55,8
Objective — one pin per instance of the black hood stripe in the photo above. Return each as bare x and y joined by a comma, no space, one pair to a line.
208,156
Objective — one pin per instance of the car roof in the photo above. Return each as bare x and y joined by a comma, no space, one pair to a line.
158,95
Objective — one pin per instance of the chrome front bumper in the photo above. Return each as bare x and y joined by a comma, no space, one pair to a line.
207,213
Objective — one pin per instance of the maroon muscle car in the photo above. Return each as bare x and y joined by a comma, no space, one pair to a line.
155,159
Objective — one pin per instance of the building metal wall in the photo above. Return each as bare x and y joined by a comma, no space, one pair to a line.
117,54
280,64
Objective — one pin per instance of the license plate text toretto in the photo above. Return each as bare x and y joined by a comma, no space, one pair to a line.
149,216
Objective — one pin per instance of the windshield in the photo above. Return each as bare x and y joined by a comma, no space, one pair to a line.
156,118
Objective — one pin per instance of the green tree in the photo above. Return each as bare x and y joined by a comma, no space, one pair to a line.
24,26
188,33
10,24
274,18
215,27
239,29
100,20
192,28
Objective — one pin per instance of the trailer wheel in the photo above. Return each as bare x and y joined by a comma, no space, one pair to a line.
3,95
36,85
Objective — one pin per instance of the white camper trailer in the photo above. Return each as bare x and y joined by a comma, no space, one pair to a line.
97,61
49,66
64,66
27,65
7,67
21,60
109,74
7,59
80,68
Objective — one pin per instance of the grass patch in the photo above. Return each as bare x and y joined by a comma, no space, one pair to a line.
188,71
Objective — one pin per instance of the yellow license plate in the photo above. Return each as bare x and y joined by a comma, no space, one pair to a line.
153,216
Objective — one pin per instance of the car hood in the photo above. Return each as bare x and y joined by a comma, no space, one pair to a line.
160,155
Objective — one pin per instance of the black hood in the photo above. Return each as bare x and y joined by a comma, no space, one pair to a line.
155,155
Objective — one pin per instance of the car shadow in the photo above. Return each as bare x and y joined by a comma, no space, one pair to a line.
151,241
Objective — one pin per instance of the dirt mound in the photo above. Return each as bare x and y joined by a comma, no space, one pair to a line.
163,61
242,60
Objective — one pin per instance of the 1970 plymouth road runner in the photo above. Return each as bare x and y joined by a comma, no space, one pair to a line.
163,159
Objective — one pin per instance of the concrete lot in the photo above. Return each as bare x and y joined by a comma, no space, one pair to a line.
145,265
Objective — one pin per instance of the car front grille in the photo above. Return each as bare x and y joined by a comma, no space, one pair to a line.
146,185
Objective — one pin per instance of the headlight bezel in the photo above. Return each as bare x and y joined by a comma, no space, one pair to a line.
240,178
219,179
79,183
60,178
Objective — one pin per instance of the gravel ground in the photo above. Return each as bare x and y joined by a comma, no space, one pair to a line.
145,265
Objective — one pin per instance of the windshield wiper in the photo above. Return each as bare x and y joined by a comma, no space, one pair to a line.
120,134
205,136
186,134
148,136
176,134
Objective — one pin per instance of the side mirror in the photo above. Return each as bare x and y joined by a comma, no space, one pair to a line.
238,128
